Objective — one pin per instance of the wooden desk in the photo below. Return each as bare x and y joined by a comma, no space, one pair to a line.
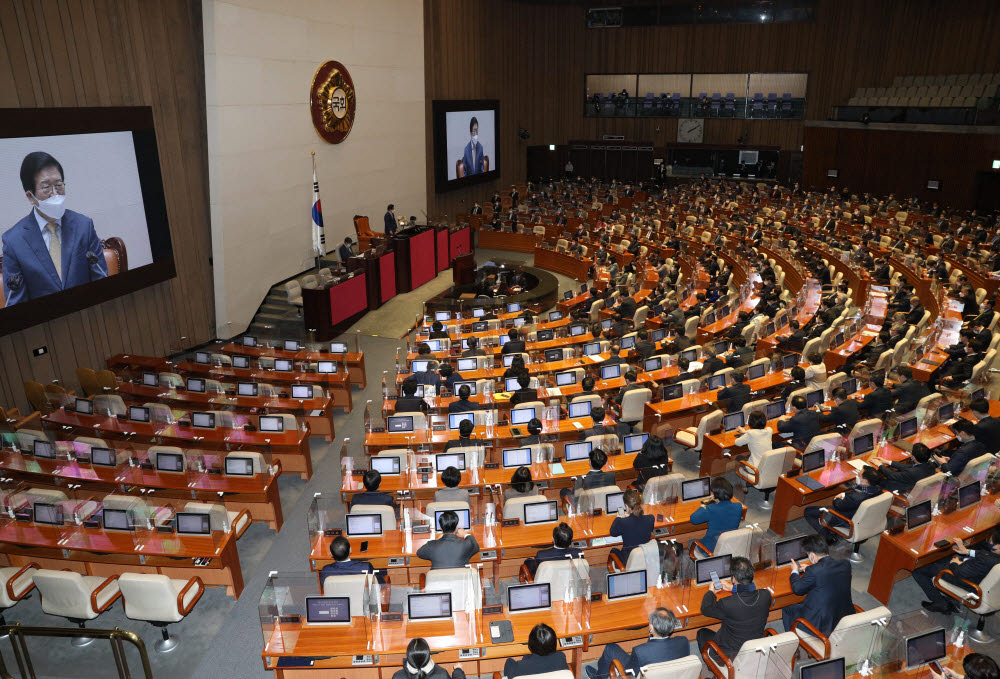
505,240
562,262
257,494
318,412
355,361
898,555
291,448
336,385
93,551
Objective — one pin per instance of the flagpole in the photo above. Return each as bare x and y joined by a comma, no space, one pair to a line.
316,254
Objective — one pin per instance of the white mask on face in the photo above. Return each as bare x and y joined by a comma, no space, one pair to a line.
53,207
475,139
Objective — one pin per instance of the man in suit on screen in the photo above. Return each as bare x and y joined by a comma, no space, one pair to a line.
52,249
473,156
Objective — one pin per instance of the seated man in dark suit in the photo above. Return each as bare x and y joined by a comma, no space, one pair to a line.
879,399
438,331
597,414
740,354
970,565
986,429
683,365
902,475
544,657
464,440
802,424
372,495
958,370
643,347
525,393
846,503
340,550
562,538
796,340
454,549
345,252
449,377
710,363
743,615
514,345
737,395
463,404
909,391
429,377
954,461
826,584
408,402
474,348
630,384
595,478
660,647
845,410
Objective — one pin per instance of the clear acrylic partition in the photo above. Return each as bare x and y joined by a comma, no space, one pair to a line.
8,442
326,512
282,613
887,653
13,498
771,666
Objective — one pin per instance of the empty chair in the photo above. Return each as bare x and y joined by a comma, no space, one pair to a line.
26,437
221,519
293,293
354,586
514,507
170,380
594,498
736,542
387,513
564,576
154,452
109,404
88,381
159,412
15,583
159,600
658,488
633,406
764,477
693,437
463,584
76,597
781,647
419,419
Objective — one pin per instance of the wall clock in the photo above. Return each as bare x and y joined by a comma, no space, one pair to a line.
690,130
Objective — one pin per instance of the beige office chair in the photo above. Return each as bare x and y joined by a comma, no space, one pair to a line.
387,513
154,452
607,442
159,600
869,520
221,519
780,647
660,488
419,420
863,428
982,599
634,406
760,405
221,359
109,404
850,637
259,463
293,292
736,542
976,469
693,437
76,597
432,508
764,478
354,586
688,667
564,575
15,584
402,454
26,437
463,584
159,412
170,380
91,442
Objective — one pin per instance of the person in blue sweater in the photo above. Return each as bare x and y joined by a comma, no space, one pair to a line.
720,512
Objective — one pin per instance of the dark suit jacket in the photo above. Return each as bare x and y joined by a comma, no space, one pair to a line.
901,477
344,252
535,664
853,498
624,390
513,347
350,567
961,456
827,588
844,414
556,553
657,650
410,405
914,315
390,223
428,378
987,432
741,356
735,397
908,394
461,406
376,498
712,365
803,425
524,395
595,478
645,348
28,271
743,616
449,551
975,568
877,401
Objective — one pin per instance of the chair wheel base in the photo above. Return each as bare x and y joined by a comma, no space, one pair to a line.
981,637
80,642
856,558
165,645
765,504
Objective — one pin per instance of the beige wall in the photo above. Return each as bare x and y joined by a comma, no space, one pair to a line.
260,57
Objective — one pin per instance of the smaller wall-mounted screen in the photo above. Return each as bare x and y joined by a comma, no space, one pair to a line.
465,143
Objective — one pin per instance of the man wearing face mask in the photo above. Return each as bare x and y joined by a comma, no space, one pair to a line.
52,249
473,157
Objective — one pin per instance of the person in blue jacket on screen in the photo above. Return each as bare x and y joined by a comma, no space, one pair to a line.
473,157
52,249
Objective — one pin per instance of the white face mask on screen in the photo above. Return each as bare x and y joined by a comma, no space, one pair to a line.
53,207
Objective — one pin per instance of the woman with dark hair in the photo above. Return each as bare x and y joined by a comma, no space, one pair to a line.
544,656
516,368
521,485
653,460
635,528
721,513
419,665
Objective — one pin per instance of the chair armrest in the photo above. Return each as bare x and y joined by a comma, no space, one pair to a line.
617,670
239,517
614,407
969,601
712,665
814,632
193,582
615,564
12,583
567,503
422,581
523,574
858,609
740,464
770,632
277,463
700,546
835,529
107,583
32,421
497,675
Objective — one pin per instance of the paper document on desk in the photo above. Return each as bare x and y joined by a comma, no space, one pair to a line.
597,358
859,464
556,468
555,391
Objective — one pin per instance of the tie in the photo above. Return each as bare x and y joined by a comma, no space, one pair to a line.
55,248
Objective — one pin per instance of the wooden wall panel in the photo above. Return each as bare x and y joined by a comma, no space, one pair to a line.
899,161
118,53
533,57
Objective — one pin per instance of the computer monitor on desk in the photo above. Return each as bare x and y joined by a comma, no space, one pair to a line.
924,648
719,565
696,489
364,525
835,668
918,515
626,585
522,598
328,610
813,460
429,606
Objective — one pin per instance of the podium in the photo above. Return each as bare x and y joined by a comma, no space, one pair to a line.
463,270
